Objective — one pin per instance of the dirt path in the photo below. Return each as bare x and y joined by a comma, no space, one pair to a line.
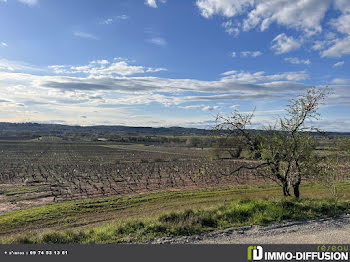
320,231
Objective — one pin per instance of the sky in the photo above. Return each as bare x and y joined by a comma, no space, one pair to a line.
171,62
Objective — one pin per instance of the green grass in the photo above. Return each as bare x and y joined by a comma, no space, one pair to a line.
75,211
190,222
22,190
11,191
81,214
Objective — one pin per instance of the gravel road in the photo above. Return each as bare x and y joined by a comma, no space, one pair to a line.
318,231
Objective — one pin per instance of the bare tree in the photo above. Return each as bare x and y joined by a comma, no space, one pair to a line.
283,152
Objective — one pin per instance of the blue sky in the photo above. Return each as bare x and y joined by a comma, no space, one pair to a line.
170,62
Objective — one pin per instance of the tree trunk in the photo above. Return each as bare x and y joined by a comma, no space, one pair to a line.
298,182
296,190
275,168
285,188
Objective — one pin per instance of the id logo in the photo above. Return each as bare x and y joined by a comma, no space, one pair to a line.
255,253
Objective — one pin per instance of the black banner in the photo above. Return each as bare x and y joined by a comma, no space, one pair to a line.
154,253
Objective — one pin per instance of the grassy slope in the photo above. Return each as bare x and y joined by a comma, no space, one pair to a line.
147,207
189,222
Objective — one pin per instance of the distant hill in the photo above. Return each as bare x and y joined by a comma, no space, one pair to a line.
31,130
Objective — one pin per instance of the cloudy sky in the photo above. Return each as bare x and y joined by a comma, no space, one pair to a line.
170,62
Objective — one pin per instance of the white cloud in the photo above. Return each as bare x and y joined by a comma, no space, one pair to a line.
111,20
29,2
341,81
297,61
107,21
160,41
26,2
227,8
251,53
192,107
319,45
102,91
201,107
85,35
305,15
210,108
342,5
230,28
153,3
247,54
3,44
122,17
284,44
341,47
339,64
260,77
342,23
102,68
16,66
330,35
155,70
232,72
243,82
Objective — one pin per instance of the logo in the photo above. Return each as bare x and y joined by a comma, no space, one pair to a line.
255,253
332,253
